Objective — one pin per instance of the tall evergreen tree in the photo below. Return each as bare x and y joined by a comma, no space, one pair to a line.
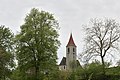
37,44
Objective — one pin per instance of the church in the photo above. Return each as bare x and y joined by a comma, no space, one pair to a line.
70,61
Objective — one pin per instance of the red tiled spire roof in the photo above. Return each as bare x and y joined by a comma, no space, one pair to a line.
71,41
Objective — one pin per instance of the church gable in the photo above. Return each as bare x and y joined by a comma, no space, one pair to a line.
62,65
63,61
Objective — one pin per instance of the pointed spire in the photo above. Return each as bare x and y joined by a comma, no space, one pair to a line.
71,41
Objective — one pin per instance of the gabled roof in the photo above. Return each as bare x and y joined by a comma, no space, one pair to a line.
63,61
71,41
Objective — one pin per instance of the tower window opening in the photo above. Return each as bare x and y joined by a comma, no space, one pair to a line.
73,49
68,50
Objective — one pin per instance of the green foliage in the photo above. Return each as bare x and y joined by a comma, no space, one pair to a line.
113,73
63,75
37,44
92,71
16,75
6,52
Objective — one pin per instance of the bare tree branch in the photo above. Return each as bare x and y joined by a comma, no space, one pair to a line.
102,36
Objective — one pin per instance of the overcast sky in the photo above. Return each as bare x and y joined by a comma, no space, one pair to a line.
71,15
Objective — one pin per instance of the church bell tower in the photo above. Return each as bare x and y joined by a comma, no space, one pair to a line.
70,54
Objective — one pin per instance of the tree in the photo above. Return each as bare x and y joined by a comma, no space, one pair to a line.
118,63
37,44
6,52
102,37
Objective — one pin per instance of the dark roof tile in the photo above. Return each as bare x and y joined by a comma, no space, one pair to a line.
63,61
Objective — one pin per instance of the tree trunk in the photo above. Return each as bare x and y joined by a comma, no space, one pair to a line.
103,66
36,73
